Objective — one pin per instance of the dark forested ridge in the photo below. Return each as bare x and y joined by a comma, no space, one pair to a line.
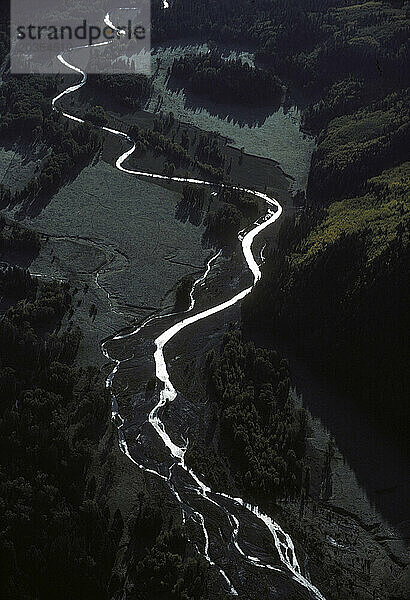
228,81
313,43
337,288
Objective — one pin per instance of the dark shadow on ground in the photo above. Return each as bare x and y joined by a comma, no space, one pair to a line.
378,459
189,211
239,114
33,207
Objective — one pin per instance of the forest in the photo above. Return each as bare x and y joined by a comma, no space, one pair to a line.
347,252
52,415
351,260
202,154
13,237
161,563
309,43
262,432
352,58
354,147
130,90
227,81
25,105
59,537
334,290
236,210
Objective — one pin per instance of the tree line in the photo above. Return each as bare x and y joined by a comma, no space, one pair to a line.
14,237
131,90
202,154
310,44
227,81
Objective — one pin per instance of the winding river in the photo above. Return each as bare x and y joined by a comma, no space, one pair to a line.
231,508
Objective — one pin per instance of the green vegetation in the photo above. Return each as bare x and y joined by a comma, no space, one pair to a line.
161,563
246,203
204,155
262,433
16,283
351,258
182,294
358,146
96,115
193,195
335,286
130,90
223,224
313,42
381,215
73,149
25,105
228,81
13,237
55,539
351,261
59,537
208,152
225,221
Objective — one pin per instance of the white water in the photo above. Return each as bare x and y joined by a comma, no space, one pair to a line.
282,541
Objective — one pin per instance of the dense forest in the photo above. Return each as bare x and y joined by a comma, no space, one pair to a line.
354,147
130,90
16,282
235,211
55,540
228,81
160,562
338,293
13,237
261,431
347,253
25,105
313,43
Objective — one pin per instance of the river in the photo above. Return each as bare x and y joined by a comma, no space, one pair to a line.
174,472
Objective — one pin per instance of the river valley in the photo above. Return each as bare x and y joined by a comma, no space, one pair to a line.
167,394
254,552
